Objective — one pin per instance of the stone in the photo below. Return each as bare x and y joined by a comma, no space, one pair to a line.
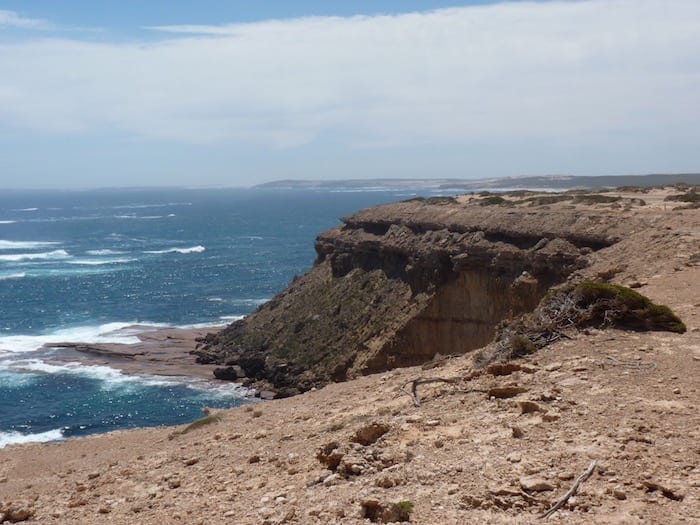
514,457
229,373
535,484
369,434
505,392
619,494
503,369
528,407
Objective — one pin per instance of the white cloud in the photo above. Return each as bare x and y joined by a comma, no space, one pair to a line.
565,70
12,19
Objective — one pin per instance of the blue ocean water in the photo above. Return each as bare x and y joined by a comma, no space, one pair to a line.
83,266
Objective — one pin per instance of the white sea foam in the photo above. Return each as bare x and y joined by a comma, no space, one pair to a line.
100,262
193,249
104,252
138,217
231,317
27,209
7,276
106,333
7,222
24,245
11,437
52,255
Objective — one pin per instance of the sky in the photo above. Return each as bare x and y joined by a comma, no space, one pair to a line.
232,93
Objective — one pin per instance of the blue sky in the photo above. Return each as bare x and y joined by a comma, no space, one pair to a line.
224,93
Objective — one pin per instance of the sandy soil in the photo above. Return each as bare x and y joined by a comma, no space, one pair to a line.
627,400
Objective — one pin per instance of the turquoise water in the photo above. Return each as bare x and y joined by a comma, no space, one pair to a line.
83,266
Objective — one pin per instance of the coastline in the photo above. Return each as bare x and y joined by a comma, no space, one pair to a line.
497,446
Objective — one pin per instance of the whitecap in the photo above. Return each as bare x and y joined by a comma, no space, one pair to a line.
23,245
231,317
27,209
52,255
100,262
103,252
12,437
7,222
193,249
8,276
138,217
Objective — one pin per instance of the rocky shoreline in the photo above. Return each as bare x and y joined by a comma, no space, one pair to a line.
160,351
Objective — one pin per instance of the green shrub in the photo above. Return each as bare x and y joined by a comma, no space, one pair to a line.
492,200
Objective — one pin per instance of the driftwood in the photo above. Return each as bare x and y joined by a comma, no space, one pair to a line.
583,477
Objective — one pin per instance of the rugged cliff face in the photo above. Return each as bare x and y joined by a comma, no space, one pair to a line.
398,284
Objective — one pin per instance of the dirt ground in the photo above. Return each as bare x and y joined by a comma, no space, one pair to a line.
497,446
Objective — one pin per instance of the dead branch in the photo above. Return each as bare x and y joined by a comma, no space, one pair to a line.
422,381
583,477
639,365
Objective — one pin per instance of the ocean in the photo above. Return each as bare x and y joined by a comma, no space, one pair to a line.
82,266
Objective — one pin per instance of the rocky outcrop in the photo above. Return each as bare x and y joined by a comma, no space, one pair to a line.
397,285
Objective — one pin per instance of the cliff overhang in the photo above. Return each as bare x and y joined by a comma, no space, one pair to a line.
399,284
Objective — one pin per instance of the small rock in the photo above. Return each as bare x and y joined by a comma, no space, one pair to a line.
619,494
504,392
432,422
254,459
514,457
503,369
676,390
93,475
370,433
535,484
104,510
553,366
190,461
528,407
174,483
17,514
333,479
550,416
517,432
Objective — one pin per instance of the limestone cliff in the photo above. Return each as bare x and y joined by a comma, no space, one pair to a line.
398,284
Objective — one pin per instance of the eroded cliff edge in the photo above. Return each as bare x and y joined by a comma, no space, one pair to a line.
398,284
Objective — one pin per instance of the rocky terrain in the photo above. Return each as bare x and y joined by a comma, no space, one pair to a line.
398,284
495,444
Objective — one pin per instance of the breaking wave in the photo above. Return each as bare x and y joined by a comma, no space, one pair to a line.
7,276
24,245
12,437
53,255
100,262
193,249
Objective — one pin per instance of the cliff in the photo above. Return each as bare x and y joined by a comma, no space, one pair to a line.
399,284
